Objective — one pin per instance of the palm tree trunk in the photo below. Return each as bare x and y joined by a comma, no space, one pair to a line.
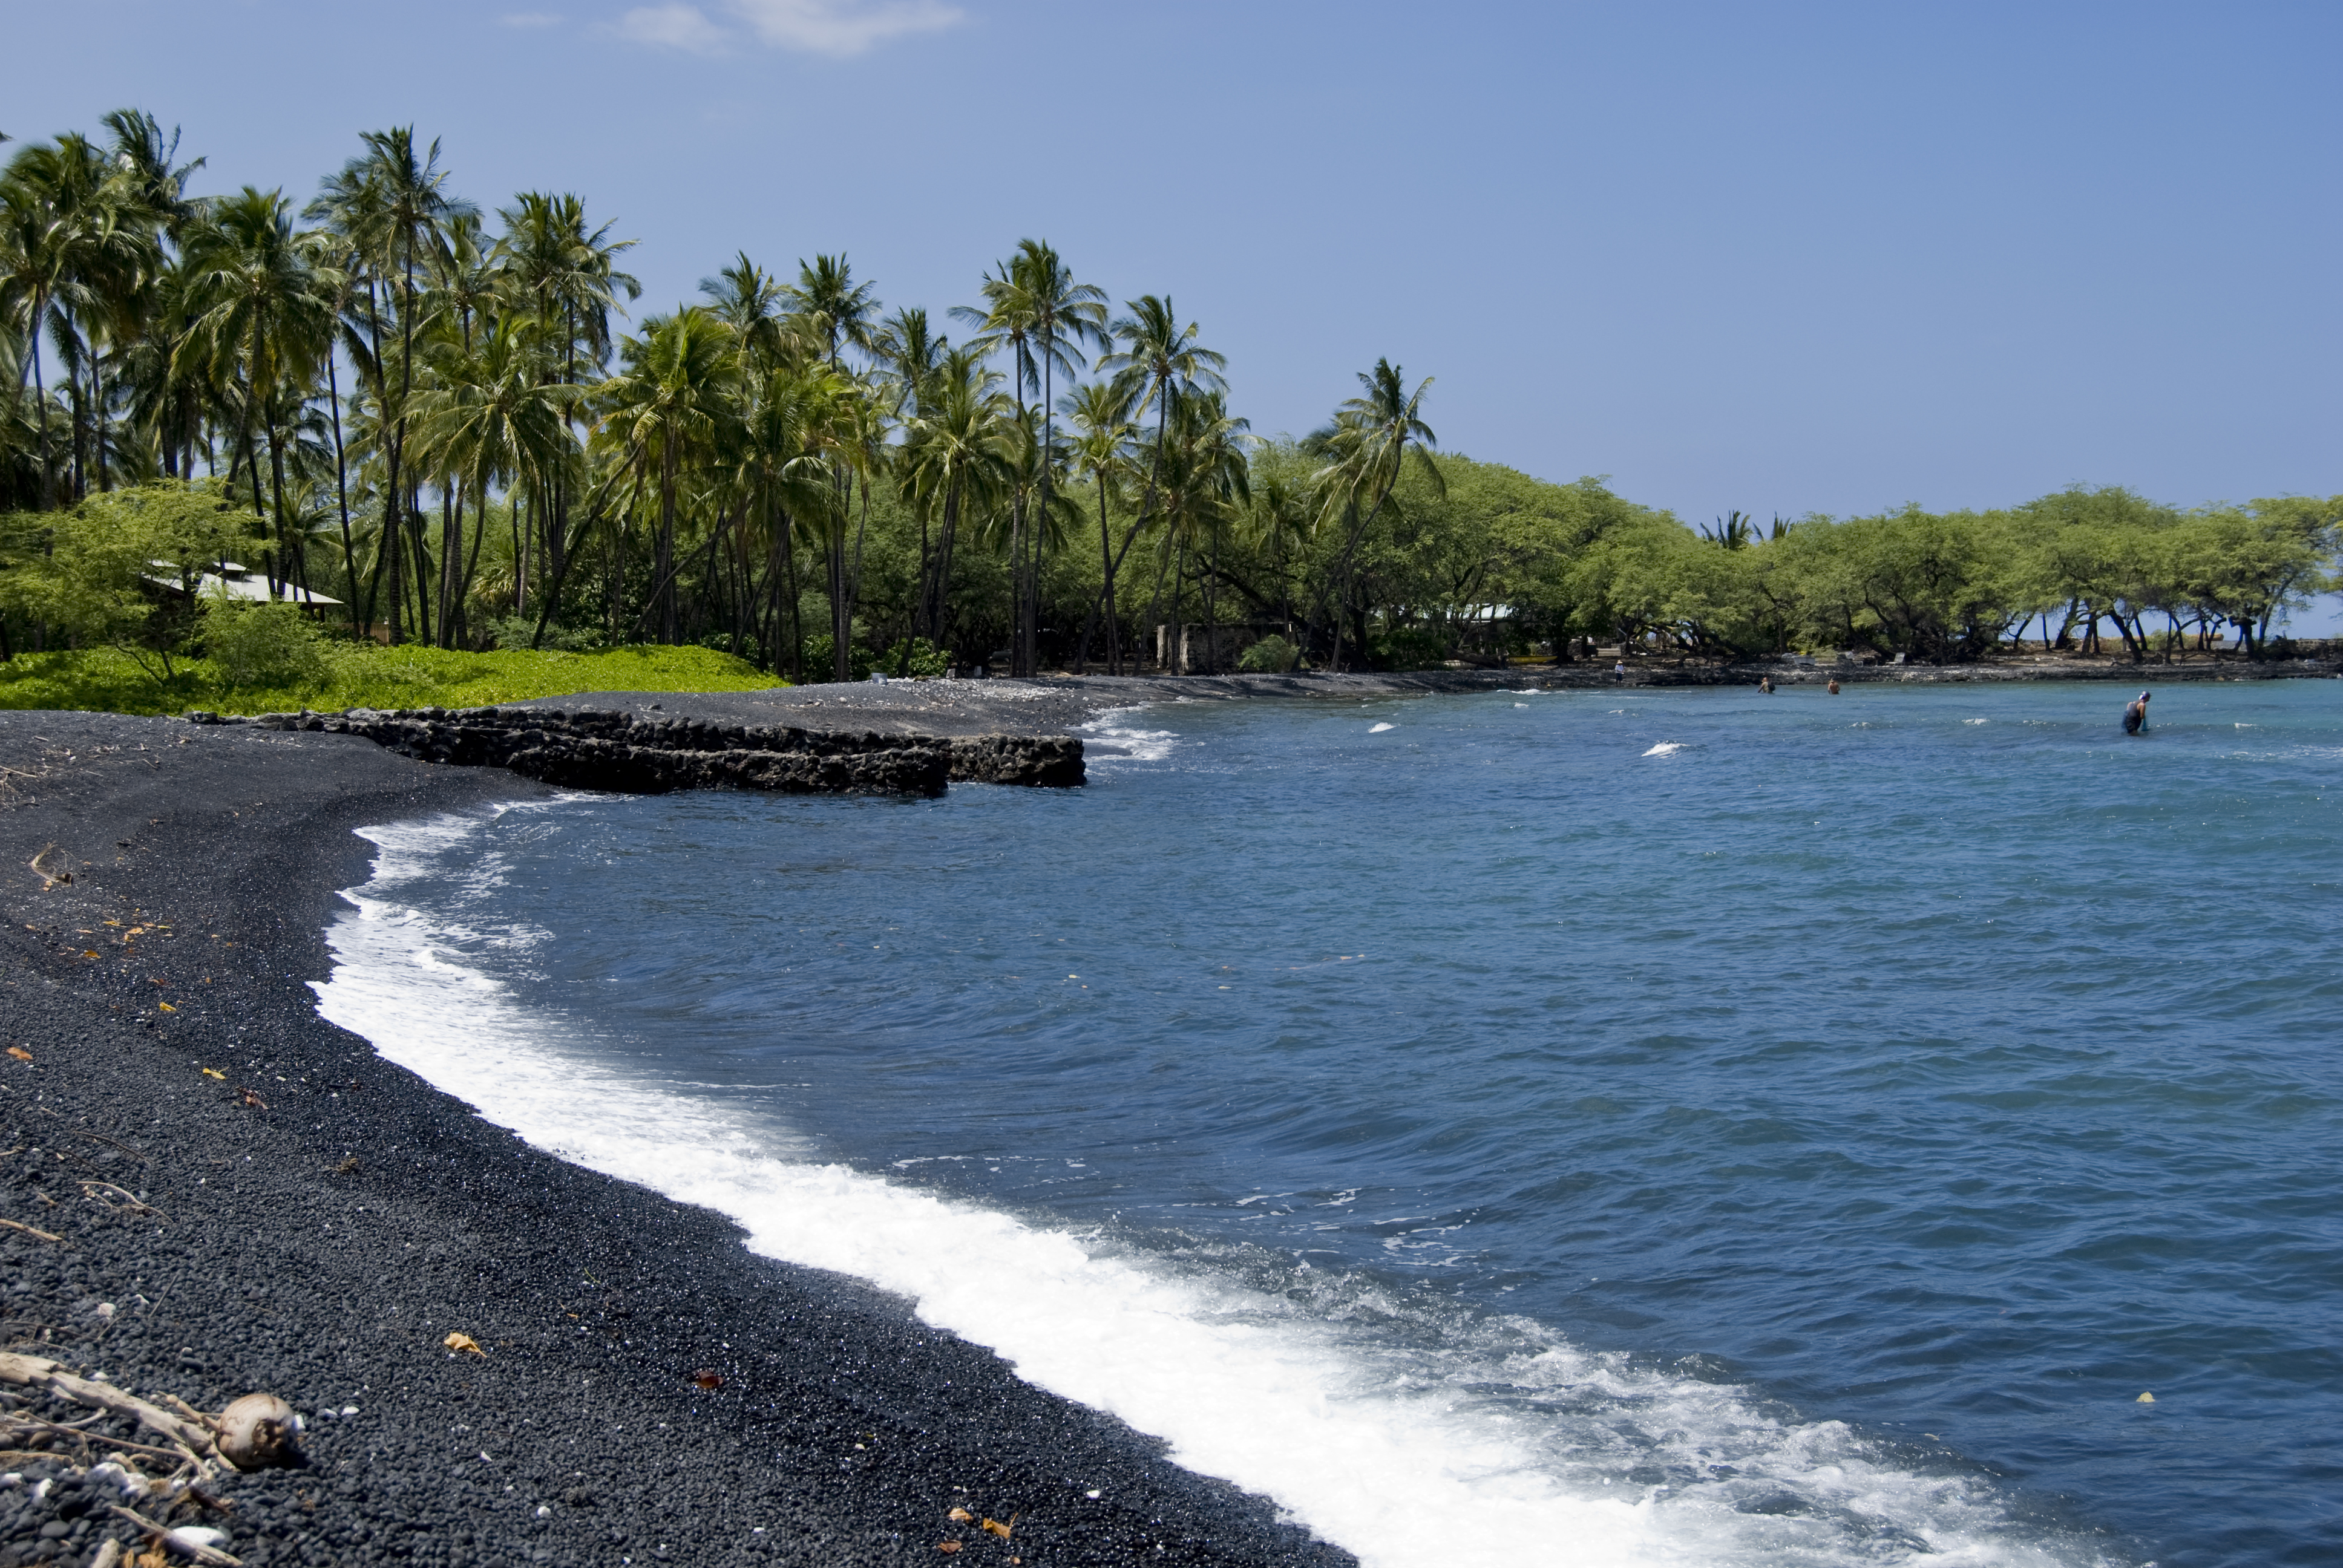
98,405
41,404
1146,505
861,531
286,544
341,477
663,551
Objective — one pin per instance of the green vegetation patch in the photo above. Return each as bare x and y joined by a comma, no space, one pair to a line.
343,674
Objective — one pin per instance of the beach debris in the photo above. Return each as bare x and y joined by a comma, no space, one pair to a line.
96,1191
51,866
2144,1399
167,1007
257,1432
109,1555
961,1516
254,1099
947,1545
214,1072
191,1439
458,1341
994,1526
20,1053
195,1540
347,1167
30,1231
709,1378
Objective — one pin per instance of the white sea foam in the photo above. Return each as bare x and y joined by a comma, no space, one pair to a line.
1113,736
1666,748
1379,729
1480,1441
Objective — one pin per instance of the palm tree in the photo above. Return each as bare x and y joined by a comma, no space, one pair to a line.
263,313
488,416
391,203
754,304
568,273
78,242
837,313
835,310
1161,362
671,404
1034,305
911,352
1372,437
958,452
1102,450
1205,479
1284,521
777,477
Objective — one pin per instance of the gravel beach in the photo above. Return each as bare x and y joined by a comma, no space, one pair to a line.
1058,704
247,1198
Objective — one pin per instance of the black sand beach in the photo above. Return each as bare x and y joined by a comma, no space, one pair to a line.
265,1205
245,1198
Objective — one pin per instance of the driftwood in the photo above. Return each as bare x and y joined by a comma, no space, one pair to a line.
130,1203
38,1371
30,1231
177,1542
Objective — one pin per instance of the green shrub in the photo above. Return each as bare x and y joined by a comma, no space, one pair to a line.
1410,648
860,660
520,631
918,657
264,644
1273,655
364,674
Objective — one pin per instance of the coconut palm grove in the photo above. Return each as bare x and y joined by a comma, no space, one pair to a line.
414,419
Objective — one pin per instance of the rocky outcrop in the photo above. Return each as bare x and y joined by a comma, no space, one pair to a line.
634,755
1051,760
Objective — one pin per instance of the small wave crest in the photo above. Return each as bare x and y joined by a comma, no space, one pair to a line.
1112,736
1379,729
1666,748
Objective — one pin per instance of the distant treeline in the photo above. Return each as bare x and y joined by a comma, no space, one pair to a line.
435,417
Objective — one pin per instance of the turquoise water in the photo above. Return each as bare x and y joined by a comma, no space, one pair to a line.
1814,1120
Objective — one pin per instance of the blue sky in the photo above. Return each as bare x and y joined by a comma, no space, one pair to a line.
1785,258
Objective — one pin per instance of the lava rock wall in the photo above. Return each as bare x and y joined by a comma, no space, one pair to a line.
630,754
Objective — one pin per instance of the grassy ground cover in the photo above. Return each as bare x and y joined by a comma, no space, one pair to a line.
106,680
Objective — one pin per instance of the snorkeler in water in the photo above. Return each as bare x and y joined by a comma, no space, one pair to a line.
2136,715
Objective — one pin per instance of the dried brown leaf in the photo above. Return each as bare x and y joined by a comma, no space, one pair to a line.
463,1341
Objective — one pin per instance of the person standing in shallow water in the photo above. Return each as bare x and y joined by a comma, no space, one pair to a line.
1765,684
2136,715
1833,686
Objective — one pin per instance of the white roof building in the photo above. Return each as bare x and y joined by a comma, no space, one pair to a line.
234,581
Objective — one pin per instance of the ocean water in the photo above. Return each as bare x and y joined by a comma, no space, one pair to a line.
1623,1127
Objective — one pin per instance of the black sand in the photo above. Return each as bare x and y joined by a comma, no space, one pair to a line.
323,1220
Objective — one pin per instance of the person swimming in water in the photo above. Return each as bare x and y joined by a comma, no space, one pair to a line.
2136,715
